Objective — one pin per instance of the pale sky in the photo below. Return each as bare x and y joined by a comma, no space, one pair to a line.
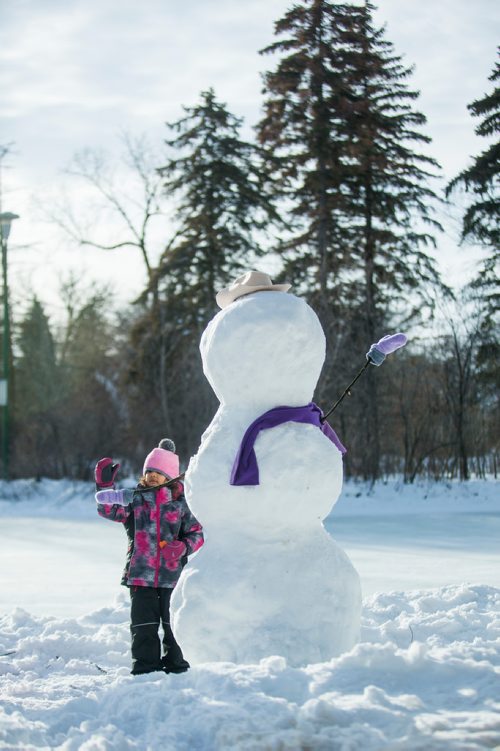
74,73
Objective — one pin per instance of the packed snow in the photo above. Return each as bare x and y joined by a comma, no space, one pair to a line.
423,676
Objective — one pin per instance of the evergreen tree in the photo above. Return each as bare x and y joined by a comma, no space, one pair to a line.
339,114
340,126
481,178
223,206
39,389
37,356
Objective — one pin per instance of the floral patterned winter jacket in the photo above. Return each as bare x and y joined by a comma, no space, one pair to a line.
161,532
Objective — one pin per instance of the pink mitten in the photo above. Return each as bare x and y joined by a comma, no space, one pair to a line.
105,473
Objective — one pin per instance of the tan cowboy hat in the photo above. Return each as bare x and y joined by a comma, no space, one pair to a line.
252,281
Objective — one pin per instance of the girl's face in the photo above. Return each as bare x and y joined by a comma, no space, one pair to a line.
154,478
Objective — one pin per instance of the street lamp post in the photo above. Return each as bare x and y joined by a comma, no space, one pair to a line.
6,219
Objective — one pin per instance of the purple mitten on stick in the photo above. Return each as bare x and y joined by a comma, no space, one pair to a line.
389,343
105,473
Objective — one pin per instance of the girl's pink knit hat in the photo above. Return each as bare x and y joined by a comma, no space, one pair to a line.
163,459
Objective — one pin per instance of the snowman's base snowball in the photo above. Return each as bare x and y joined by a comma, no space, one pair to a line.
244,616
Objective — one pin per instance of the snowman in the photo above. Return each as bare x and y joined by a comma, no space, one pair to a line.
270,580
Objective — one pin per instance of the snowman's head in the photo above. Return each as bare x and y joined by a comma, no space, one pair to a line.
265,349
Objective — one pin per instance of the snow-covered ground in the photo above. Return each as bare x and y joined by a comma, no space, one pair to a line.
425,674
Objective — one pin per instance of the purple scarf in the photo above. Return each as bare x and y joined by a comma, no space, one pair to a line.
245,470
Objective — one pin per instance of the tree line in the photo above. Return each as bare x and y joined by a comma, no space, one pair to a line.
337,194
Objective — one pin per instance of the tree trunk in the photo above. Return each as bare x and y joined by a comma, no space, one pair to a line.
372,419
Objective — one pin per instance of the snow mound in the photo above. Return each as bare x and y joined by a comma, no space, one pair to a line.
424,676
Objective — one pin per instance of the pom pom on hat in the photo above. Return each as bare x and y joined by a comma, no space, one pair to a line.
167,444
163,459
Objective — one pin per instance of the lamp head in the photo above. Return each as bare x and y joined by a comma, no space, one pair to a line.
6,219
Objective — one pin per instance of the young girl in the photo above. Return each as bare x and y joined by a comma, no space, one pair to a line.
162,532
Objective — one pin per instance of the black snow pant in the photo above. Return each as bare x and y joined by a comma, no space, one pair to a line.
150,606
